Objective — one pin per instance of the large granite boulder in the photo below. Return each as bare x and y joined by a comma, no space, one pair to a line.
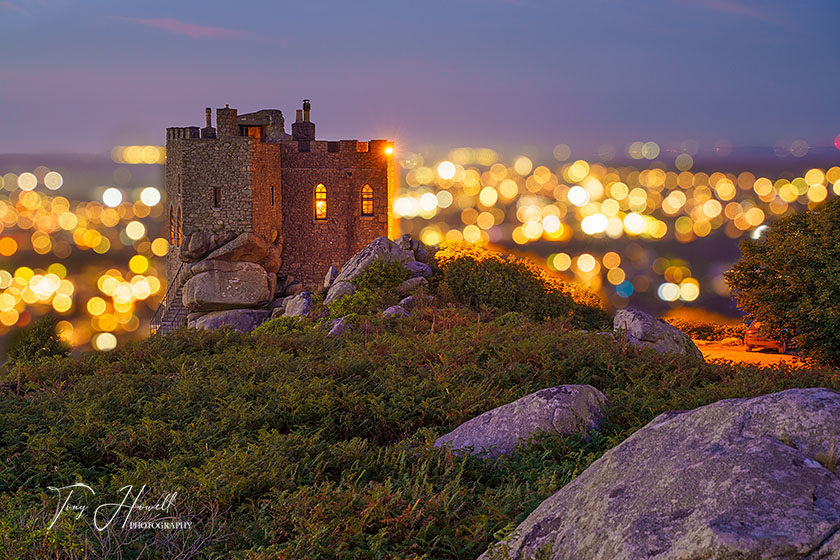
220,285
247,246
740,479
330,276
416,268
641,328
382,249
272,261
566,409
411,285
242,320
197,245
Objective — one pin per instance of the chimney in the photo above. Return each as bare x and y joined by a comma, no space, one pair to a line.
303,130
208,131
299,115
226,123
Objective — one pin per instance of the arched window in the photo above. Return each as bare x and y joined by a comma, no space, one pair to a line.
178,231
171,226
367,200
320,202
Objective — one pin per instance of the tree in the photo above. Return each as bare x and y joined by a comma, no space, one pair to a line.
789,278
37,341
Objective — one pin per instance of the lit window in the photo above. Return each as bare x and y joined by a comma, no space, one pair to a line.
367,200
320,202
171,226
178,231
217,197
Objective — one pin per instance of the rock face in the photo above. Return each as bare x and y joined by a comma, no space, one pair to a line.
411,285
567,409
329,278
220,286
740,478
641,328
242,320
416,269
336,327
248,247
382,249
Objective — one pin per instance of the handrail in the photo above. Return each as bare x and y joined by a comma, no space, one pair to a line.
157,318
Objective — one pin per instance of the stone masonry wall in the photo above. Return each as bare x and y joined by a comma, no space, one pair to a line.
266,174
312,246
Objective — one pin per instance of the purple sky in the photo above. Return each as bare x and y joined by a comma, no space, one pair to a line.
83,76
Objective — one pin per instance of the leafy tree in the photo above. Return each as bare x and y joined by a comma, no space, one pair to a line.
37,341
789,278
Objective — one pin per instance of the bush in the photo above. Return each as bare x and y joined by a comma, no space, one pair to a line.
790,279
484,280
374,290
36,342
707,331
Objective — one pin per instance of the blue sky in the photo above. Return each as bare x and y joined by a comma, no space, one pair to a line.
83,76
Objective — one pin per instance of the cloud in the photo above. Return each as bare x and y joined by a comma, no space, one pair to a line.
5,5
734,8
190,30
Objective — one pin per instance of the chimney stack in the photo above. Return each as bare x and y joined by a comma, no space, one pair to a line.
306,108
302,129
299,115
226,123
208,131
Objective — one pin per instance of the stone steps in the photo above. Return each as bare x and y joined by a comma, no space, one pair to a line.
174,314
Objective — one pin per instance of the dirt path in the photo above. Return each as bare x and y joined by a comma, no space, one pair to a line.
735,352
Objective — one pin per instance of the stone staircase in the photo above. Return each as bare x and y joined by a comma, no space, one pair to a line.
171,313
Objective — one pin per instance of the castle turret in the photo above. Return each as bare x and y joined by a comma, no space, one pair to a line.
226,123
303,129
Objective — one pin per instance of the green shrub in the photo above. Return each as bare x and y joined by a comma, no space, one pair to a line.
500,283
36,342
789,279
375,290
280,325
708,331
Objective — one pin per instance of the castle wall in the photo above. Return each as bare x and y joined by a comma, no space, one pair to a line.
266,173
312,246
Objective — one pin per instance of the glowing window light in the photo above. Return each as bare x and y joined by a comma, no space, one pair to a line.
112,197
446,170
367,200
320,202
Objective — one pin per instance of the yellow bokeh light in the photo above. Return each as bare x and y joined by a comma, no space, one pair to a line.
586,262
138,264
446,170
104,342
135,230
96,306
523,165
62,303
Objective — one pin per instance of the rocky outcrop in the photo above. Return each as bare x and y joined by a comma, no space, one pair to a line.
329,278
248,247
381,249
740,478
241,320
339,290
198,245
566,409
220,285
412,285
641,328
417,268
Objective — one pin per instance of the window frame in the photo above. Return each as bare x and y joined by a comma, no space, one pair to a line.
320,194
366,195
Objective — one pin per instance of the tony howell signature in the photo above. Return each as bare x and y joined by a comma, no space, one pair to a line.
70,500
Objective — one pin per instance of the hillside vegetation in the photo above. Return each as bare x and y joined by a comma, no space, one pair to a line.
287,443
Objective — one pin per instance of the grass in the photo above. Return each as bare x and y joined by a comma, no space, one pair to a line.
288,443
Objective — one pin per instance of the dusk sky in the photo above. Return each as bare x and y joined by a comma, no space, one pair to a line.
84,76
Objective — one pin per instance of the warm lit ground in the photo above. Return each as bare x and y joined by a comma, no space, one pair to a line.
733,351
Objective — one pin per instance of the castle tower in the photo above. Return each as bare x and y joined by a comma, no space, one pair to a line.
311,203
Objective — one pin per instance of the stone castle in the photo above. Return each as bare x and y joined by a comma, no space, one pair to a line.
254,210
